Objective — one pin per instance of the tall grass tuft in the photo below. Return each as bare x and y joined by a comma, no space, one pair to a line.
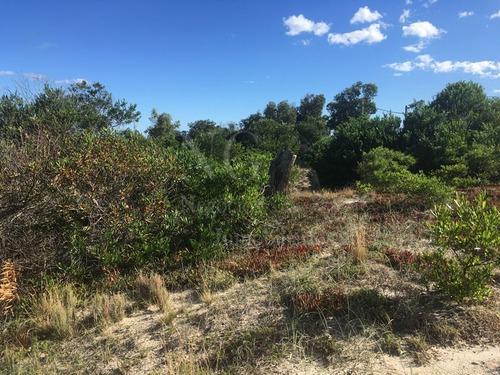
358,243
108,309
55,312
152,289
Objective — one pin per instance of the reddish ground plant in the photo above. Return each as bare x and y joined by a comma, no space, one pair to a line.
492,193
261,260
400,258
331,299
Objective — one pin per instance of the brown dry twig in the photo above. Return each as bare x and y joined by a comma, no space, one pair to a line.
8,287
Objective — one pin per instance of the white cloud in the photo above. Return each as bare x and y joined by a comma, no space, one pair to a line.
465,14
371,34
36,76
404,16
365,15
417,47
397,74
6,73
490,69
496,91
424,30
408,2
249,82
412,48
402,67
430,2
495,15
299,24
70,81
305,42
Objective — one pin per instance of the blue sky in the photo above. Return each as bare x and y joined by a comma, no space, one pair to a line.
223,60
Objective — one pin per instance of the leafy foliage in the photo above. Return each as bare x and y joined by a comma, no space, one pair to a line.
353,102
82,106
272,135
97,109
100,201
468,236
336,158
388,171
162,127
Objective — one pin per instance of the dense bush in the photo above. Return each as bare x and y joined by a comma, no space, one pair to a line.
388,171
336,158
468,236
92,202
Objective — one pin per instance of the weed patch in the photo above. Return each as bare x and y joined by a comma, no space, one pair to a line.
401,258
259,261
331,300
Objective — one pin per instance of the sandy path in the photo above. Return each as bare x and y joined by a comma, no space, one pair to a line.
474,360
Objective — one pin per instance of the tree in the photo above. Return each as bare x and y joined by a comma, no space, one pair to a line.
271,111
418,136
200,126
250,120
272,135
98,110
465,101
354,101
14,114
82,106
311,106
162,127
286,113
214,143
311,130
337,158
458,121
55,109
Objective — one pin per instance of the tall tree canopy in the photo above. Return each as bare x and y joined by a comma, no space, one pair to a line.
201,126
286,113
81,106
162,126
311,106
354,101
97,108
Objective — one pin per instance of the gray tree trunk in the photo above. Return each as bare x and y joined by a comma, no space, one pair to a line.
280,172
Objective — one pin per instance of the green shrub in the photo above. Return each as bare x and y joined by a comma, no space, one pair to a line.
95,200
363,188
484,161
388,171
456,175
468,237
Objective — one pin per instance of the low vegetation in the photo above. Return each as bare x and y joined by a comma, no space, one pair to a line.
125,253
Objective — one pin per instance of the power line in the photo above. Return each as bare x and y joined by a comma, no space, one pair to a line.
390,111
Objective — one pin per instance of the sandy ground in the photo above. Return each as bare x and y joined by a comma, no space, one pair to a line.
137,345
474,360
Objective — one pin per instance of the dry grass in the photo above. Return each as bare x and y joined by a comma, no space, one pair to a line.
206,296
108,309
55,313
8,288
185,364
358,243
335,311
151,288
